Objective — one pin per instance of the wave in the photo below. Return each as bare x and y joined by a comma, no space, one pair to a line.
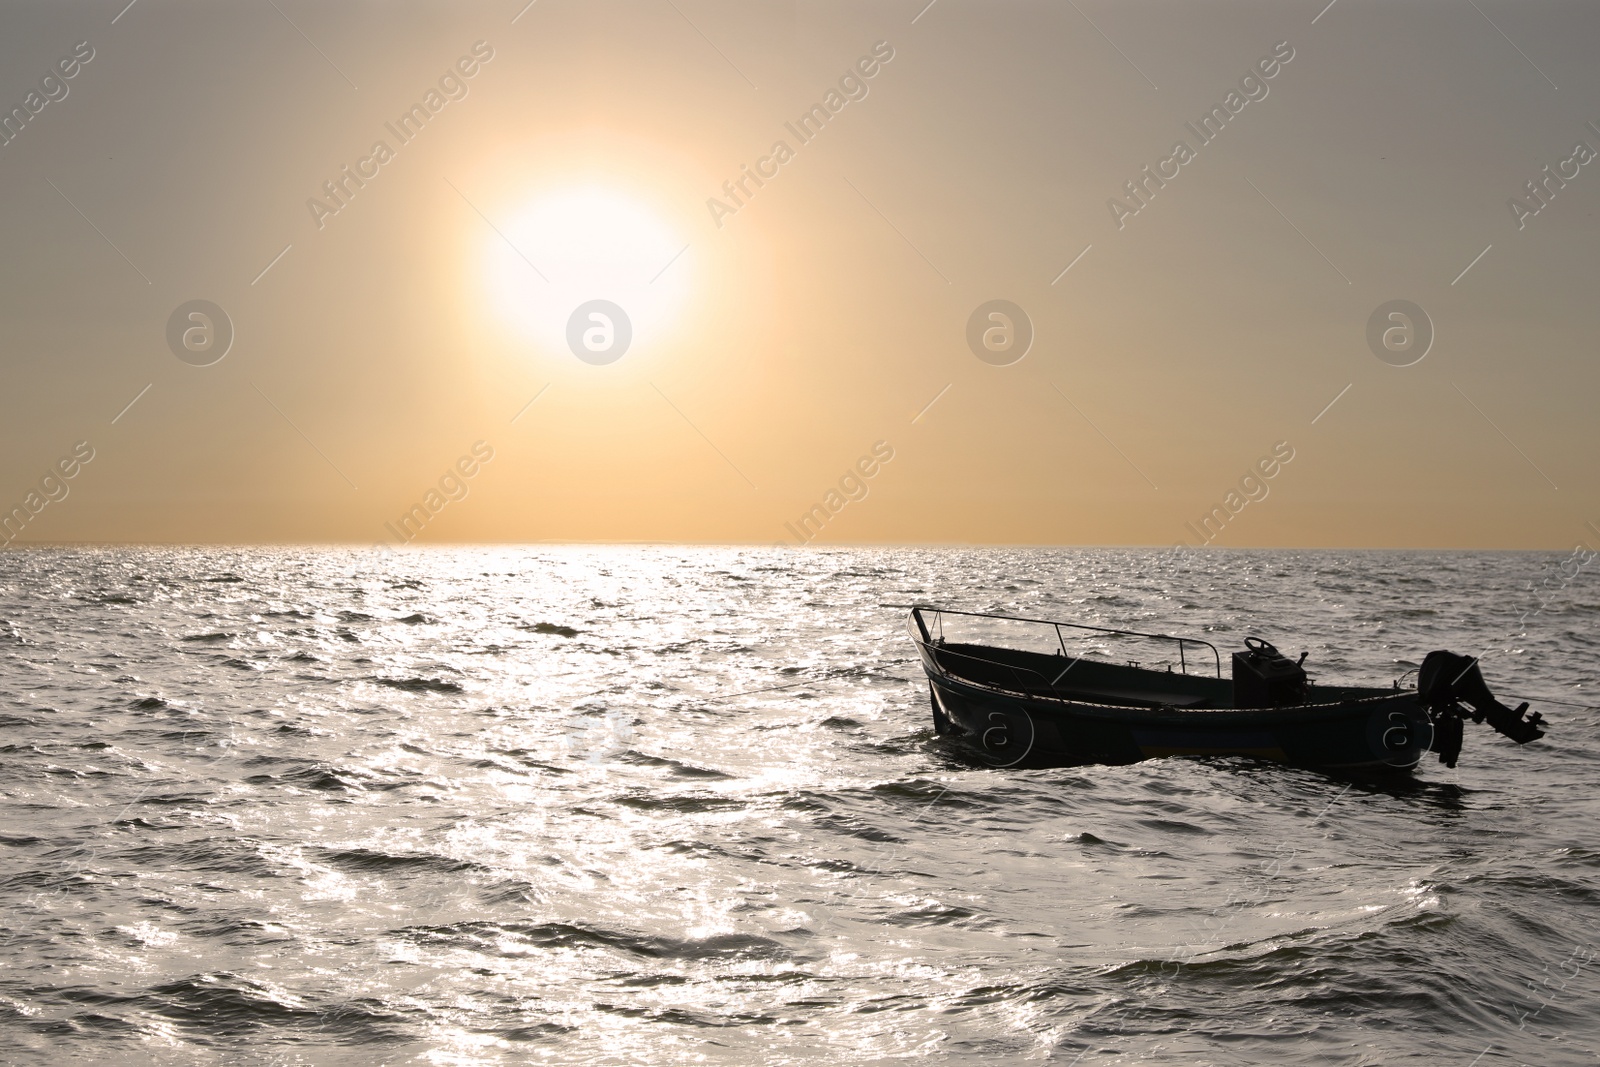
323,777
422,685
516,938
223,1004
677,768
550,628
376,860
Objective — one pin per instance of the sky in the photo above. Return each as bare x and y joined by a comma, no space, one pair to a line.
800,272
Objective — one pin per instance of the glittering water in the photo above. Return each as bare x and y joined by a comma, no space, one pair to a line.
684,806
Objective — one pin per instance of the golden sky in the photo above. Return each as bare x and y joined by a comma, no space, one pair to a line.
418,223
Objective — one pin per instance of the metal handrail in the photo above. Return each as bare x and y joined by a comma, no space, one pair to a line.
934,651
918,609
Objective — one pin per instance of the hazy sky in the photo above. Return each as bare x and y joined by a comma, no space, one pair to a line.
801,347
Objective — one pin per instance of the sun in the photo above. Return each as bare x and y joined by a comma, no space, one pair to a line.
569,247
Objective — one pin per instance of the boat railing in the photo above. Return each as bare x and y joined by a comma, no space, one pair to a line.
937,617
1046,687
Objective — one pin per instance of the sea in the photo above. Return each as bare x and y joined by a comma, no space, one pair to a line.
684,805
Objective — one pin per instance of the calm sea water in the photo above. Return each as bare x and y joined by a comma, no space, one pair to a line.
677,806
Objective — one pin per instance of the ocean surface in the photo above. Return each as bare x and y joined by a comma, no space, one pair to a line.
684,806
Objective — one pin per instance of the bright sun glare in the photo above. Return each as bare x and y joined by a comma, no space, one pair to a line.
590,243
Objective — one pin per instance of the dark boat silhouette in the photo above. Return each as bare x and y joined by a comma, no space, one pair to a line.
1042,706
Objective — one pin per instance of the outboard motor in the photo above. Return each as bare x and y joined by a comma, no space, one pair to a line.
1263,677
1452,688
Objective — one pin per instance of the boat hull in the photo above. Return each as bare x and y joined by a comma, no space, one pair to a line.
1382,733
